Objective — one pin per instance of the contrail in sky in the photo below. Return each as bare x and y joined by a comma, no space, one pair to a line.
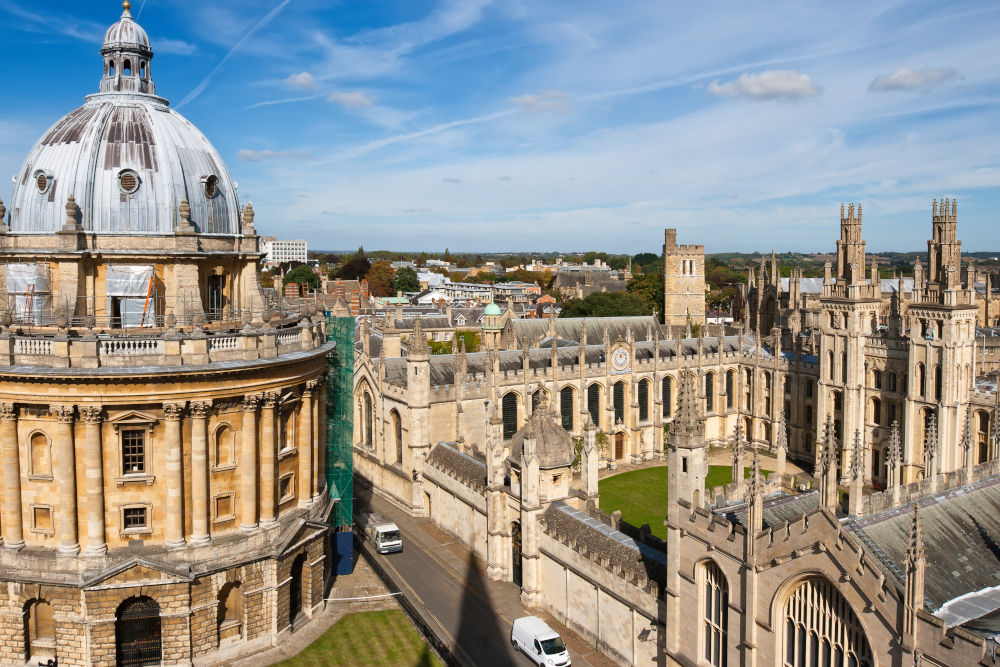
208,79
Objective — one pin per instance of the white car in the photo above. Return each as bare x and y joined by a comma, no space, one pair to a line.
532,636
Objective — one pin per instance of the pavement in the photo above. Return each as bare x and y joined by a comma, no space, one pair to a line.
470,615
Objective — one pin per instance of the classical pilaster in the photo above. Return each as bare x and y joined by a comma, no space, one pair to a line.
93,417
268,460
69,544
174,412
13,521
248,472
199,473
305,445
319,436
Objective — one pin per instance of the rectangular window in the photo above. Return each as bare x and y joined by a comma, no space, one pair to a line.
134,518
225,507
41,519
133,451
286,488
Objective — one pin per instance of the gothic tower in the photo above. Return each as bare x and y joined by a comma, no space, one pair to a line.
683,282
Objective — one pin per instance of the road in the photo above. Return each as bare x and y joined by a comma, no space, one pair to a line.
458,606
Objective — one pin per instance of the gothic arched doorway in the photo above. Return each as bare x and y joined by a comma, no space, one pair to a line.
515,552
138,638
619,446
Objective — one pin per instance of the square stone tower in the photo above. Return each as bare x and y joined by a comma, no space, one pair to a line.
683,282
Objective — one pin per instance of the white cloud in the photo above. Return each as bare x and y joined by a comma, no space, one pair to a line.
259,156
546,100
302,81
775,84
905,78
177,47
351,100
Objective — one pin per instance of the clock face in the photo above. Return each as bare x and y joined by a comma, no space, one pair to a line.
620,359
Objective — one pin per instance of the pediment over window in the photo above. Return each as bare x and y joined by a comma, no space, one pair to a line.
133,418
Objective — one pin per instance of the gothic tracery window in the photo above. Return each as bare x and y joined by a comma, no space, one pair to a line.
715,603
821,629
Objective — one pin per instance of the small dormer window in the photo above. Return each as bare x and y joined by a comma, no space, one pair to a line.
43,181
211,184
128,181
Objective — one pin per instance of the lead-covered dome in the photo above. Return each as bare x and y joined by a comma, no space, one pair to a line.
126,157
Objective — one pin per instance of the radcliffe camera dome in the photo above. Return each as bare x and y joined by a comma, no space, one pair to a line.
126,157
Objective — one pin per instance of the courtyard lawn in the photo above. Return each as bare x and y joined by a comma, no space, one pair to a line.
641,495
368,638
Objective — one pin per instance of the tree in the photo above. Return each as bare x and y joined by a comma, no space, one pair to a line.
355,268
644,259
303,275
649,288
406,281
380,277
606,304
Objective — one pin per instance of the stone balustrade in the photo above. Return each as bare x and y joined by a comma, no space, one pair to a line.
81,348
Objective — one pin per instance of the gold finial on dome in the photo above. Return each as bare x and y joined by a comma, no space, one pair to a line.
126,6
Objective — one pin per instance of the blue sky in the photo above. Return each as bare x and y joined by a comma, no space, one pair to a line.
483,125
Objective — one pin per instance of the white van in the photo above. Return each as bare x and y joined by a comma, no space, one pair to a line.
539,642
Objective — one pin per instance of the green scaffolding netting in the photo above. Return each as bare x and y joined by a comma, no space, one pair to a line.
340,418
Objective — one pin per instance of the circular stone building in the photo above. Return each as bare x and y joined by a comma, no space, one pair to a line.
164,497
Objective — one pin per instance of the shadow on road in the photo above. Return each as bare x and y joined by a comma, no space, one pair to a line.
480,627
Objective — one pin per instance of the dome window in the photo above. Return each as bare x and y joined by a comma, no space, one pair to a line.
211,184
128,181
43,181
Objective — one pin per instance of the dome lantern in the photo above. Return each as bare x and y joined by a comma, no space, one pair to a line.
127,55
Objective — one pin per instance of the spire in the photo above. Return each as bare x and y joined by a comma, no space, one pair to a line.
915,565
893,455
756,484
857,457
418,341
687,419
915,548
782,443
931,445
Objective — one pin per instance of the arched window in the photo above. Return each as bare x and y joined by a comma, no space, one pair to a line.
843,367
747,388
767,431
921,381
821,628
225,451
767,393
715,615
397,431
890,413
229,613
41,455
876,411
40,633
838,401
111,68
710,392
809,388
594,403
566,407
667,395
937,383
643,396
891,379
982,426
127,68
369,418
509,415
730,382
138,640
142,69
618,397
829,365
877,378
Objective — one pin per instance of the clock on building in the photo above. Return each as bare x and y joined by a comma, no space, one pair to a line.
620,359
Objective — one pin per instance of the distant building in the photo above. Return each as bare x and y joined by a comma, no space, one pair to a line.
279,252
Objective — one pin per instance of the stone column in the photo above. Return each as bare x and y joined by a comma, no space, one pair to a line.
268,460
199,473
305,445
13,521
319,437
174,412
66,474
93,417
248,473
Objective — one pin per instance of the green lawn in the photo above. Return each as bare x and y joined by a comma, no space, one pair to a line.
368,638
641,495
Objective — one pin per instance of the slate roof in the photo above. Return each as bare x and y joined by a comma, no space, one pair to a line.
570,328
455,464
962,543
778,509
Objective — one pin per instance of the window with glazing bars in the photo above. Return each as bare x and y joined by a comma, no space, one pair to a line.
509,416
566,407
667,395
619,400
643,395
716,603
729,389
710,392
133,518
594,403
133,451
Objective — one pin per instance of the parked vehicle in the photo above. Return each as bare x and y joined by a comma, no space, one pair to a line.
533,637
383,534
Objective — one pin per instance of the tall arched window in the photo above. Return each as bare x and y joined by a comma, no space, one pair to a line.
767,393
843,367
829,365
747,388
41,630
876,411
821,628
891,381
618,397
921,380
937,383
730,383
715,608
397,430
667,395
982,426
225,451
877,379
369,418
594,403
41,455
643,396
710,392
566,407
509,415
229,614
